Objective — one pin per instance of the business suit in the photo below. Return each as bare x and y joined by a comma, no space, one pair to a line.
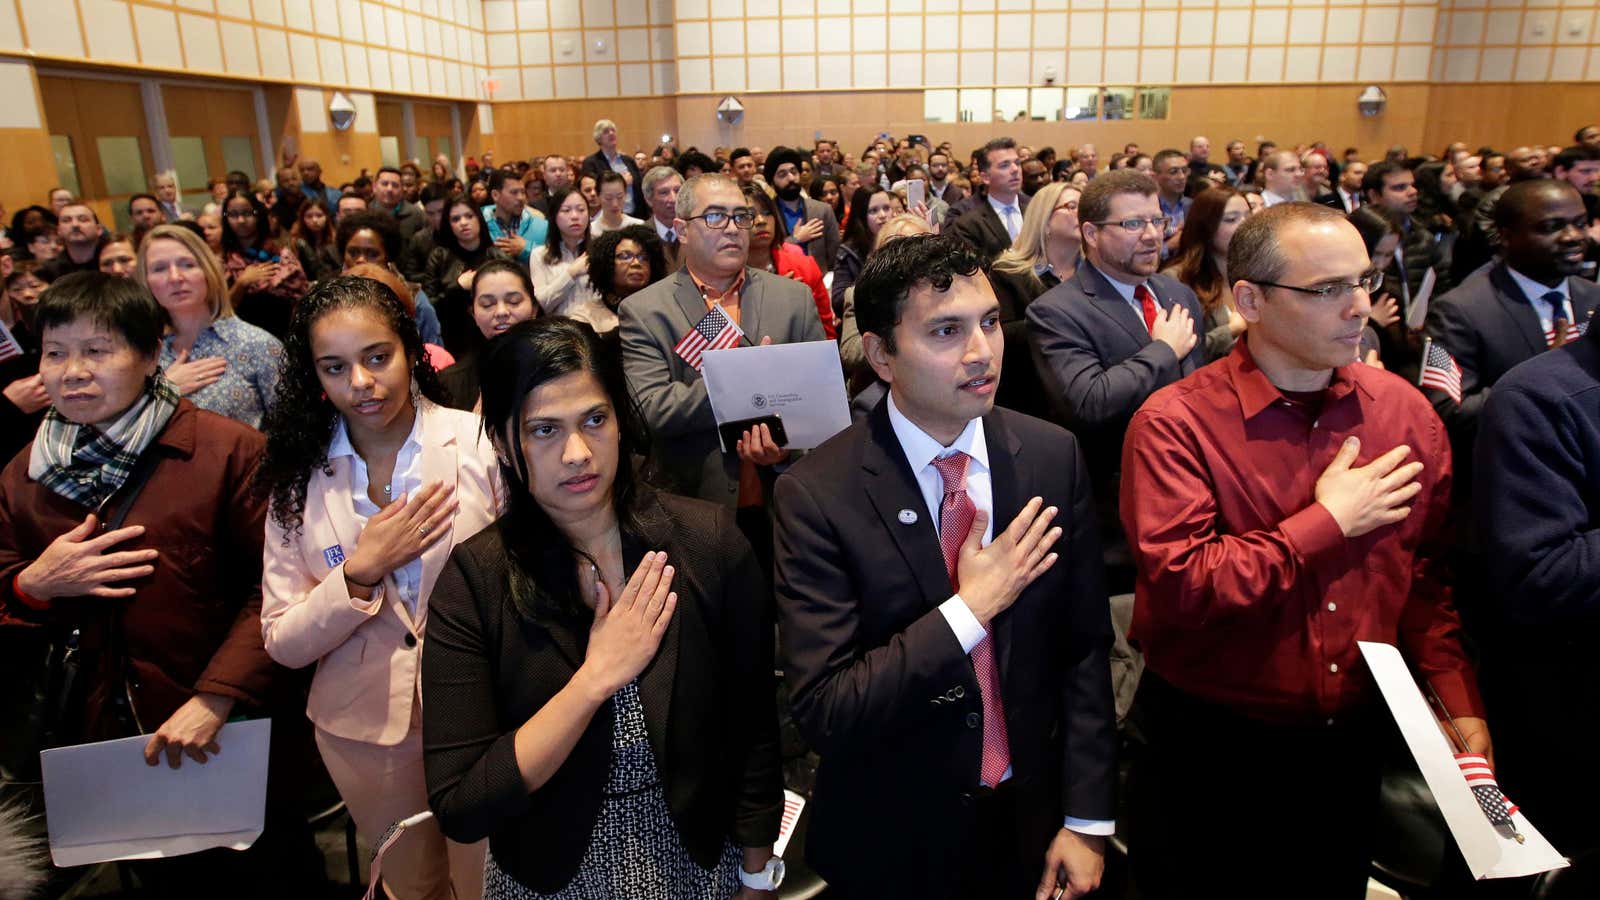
952,193
981,227
881,687
707,694
672,394
596,164
364,696
1334,199
823,249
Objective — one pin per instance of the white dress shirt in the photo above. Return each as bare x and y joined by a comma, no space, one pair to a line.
921,450
1535,292
1012,220
407,480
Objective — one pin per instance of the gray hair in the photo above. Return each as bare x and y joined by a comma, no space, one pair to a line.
699,183
655,176
601,126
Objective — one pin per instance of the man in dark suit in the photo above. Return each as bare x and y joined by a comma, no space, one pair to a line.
1346,195
609,159
1112,334
810,223
769,308
991,223
957,687
661,186
940,184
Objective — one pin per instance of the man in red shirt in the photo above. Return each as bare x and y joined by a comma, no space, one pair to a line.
1282,505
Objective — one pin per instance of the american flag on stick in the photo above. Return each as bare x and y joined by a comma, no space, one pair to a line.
1439,370
8,344
1496,805
714,331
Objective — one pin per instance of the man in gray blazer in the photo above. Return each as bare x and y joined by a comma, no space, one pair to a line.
1112,334
713,228
809,223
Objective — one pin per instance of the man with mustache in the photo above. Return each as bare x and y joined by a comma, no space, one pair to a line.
81,232
1282,505
810,223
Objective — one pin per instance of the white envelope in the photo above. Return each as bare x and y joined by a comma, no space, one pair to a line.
1488,852
103,802
801,383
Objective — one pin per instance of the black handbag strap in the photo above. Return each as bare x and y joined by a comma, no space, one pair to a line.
130,490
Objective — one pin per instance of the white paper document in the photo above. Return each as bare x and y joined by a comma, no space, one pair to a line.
800,383
1418,313
1488,852
103,802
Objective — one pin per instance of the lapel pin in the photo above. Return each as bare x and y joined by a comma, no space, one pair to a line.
908,517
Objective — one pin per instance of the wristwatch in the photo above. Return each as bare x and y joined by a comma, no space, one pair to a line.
767,879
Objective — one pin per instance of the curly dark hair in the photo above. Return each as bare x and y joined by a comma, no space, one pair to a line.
603,256
515,364
300,422
890,273
380,224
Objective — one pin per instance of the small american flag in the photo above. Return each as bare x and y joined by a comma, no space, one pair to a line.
8,344
1439,370
793,804
714,331
1575,330
1480,778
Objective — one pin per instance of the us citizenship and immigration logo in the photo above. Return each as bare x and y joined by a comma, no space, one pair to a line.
759,401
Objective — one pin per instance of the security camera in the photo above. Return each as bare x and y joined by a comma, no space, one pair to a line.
730,111
341,111
1372,101
1049,74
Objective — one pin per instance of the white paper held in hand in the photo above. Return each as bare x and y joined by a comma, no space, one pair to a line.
106,803
1417,315
801,383
1488,852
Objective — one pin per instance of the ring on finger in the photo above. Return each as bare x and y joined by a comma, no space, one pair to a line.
423,530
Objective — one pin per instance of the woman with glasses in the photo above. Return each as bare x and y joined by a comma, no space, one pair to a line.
1046,250
1201,262
266,278
623,262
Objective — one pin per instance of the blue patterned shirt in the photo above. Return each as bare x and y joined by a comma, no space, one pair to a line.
245,389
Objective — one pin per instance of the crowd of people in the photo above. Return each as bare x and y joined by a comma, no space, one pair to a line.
423,467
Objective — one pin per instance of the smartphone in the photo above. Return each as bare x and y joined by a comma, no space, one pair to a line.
732,431
916,192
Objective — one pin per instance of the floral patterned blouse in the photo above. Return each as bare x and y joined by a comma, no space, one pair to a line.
245,389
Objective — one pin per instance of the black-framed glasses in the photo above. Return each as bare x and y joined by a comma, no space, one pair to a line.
718,219
1137,226
240,214
1342,290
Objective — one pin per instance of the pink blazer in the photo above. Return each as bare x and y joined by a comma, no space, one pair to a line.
368,652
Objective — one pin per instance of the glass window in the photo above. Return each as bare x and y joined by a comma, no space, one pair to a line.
189,162
66,163
1045,104
1118,103
239,154
1081,103
1153,102
940,106
977,105
122,165
1012,103
442,146
389,150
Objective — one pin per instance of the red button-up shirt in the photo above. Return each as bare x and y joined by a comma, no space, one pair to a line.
1249,594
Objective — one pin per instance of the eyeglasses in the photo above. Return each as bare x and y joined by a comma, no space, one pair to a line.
628,256
1369,282
1137,226
718,219
241,214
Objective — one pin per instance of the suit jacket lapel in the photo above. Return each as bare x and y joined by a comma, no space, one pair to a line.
690,301
891,487
1110,302
1518,308
1003,484
658,679
751,305
439,463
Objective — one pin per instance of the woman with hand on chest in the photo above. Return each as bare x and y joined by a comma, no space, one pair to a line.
372,481
598,676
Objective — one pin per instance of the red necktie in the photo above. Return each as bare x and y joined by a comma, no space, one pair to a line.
956,512
1148,301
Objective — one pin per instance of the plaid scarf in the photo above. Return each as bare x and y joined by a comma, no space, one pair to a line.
88,464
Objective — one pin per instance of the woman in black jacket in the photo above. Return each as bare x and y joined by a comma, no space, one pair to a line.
460,246
597,681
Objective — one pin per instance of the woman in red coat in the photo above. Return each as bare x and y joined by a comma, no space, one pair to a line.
770,250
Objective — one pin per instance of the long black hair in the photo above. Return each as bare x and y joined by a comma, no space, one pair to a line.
552,238
230,241
300,422
858,234
445,236
515,364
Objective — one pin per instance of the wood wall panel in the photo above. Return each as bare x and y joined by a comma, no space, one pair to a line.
30,169
522,129
1506,115
86,109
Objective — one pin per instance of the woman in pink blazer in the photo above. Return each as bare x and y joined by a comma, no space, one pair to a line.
372,481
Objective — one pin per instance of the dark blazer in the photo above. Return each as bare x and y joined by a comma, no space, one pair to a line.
981,227
708,699
1333,200
823,249
952,195
1488,326
596,164
1098,363
672,394
880,686
1020,388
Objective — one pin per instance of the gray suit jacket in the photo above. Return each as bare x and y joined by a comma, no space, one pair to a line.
672,394
1097,361
826,248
